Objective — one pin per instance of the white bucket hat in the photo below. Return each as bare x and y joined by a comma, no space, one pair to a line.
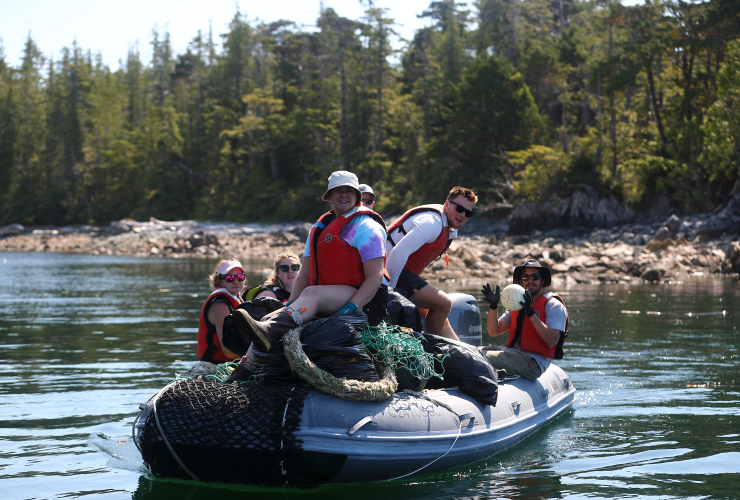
364,188
341,178
228,266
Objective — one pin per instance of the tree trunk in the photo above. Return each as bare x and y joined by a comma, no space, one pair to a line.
584,108
451,69
564,126
612,111
601,126
562,17
656,108
512,49
627,102
380,84
274,165
246,78
343,133
26,152
365,107
688,69
426,92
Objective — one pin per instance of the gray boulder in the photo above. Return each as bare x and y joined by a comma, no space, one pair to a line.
726,221
11,229
653,274
673,224
584,209
663,234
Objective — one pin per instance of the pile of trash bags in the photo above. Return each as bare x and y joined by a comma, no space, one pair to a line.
335,345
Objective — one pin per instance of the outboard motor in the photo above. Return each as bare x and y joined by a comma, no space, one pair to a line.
465,318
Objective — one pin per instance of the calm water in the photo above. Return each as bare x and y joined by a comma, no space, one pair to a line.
84,339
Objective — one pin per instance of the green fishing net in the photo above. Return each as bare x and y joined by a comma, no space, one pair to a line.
208,372
390,345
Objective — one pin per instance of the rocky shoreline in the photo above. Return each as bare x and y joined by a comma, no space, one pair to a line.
666,251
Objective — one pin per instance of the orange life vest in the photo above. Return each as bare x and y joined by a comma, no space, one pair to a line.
420,259
209,348
530,340
333,260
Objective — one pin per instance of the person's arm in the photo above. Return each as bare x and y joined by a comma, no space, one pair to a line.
301,281
266,293
410,243
216,315
495,327
373,277
548,335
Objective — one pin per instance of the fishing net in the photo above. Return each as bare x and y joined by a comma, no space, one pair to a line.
398,348
209,372
227,433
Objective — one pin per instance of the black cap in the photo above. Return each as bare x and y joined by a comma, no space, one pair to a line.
531,263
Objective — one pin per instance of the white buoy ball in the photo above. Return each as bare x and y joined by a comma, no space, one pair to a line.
512,296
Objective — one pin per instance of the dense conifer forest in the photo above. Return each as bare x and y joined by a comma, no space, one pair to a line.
517,99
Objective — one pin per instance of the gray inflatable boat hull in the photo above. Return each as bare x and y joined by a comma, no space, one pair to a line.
408,435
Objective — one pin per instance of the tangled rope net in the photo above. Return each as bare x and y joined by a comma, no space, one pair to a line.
392,346
208,372
350,390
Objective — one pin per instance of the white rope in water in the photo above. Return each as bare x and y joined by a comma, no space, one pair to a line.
164,437
459,431
421,395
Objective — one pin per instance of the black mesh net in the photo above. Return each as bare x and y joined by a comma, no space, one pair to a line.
228,433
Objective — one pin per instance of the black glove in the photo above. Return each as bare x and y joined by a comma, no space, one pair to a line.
528,304
491,297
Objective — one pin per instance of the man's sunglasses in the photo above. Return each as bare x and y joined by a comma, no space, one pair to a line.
368,201
229,277
535,276
461,209
293,267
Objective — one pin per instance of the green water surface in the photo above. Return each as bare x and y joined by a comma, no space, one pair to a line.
85,339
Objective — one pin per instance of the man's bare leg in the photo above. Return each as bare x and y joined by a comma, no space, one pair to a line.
439,305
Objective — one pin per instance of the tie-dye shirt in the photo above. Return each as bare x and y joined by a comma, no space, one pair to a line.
363,233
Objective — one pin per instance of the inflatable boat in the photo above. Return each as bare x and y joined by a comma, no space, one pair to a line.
303,437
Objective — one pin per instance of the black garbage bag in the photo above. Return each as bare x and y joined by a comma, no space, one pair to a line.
405,378
465,367
403,312
236,341
261,307
334,344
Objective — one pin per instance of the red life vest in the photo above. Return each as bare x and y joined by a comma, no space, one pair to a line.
333,260
209,348
530,340
420,259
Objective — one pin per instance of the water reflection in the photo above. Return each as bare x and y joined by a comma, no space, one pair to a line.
656,414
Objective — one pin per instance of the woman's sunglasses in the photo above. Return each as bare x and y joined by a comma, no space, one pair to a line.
535,276
293,267
460,209
229,277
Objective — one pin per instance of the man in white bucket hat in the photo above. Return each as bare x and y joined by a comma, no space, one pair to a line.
368,196
346,255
